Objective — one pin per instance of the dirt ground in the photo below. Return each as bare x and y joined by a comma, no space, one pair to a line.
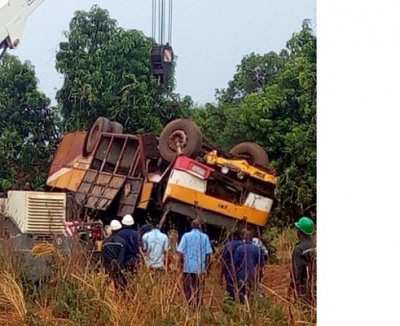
275,285
277,278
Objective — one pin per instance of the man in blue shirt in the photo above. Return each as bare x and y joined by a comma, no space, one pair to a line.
131,238
155,245
228,268
195,249
248,259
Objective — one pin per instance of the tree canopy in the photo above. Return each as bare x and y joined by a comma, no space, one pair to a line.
27,126
276,109
107,73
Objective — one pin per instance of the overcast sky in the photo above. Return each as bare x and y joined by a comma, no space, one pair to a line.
209,36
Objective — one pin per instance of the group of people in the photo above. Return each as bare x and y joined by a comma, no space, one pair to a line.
243,258
121,250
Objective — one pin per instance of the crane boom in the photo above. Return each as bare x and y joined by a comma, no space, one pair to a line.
13,16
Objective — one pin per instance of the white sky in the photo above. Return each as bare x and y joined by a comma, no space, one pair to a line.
210,37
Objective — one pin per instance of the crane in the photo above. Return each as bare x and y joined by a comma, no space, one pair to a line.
13,16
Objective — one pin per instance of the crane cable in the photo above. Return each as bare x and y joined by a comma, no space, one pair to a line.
159,18
170,23
153,20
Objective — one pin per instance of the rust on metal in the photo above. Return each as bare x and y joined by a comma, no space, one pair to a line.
147,187
98,189
69,165
142,157
150,146
115,168
129,196
120,157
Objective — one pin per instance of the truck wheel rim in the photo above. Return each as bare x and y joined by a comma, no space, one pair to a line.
178,136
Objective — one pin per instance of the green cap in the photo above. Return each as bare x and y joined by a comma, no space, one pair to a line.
305,225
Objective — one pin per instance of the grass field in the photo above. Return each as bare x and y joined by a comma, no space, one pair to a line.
77,296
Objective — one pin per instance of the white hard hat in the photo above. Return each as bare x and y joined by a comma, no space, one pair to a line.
128,220
115,225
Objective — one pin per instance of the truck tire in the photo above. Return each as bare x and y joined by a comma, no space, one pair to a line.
117,128
256,153
184,131
100,125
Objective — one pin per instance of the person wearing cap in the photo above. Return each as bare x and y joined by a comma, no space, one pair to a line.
303,259
131,238
113,253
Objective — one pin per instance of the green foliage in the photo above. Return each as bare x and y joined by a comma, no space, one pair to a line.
277,111
107,73
27,126
253,74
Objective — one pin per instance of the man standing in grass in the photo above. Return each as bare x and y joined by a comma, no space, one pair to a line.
228,268
155,246
257,242
249,263
131,238
195,250
303,271
113,252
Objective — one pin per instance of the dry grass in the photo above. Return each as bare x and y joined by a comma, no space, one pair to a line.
284,244
12,302
79,296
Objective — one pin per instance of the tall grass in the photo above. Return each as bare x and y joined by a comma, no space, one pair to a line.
78,295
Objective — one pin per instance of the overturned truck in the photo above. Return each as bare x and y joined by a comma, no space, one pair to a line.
175,176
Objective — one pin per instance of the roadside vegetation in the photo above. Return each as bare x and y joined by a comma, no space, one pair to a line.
77,295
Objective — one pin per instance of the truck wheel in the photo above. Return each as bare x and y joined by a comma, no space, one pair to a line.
99,126
184,131
117,128
255,152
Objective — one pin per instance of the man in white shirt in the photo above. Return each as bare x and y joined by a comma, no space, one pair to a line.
155,245
257,242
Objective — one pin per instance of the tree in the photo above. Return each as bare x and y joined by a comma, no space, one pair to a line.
253,73
277,111
107,73
27,126
283,119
